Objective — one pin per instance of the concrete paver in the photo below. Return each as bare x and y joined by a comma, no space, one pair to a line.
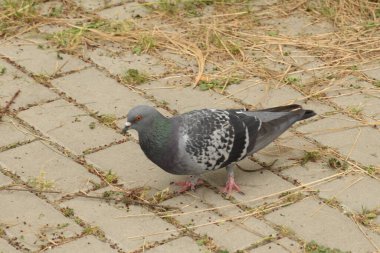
364,150
91,5
309,172
31,222
117,61
88,244
31,92
255,226
118,229
4,180
298,25
183,245
254,184
5,247
182,95
36,160
270,247
308,219
357,192
39,60
11,132
290,245
286,151
228,235
99,92
69,126
126,11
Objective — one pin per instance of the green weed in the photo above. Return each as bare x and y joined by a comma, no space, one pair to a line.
312,156
313,247
40,182
133,76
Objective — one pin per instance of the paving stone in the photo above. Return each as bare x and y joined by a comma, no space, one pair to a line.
286,151
254,184
270,247
258,93
353,191
263,2
177,93
88,244
329,131
227,235
126,11
184,63
372,70
90,5
120,229
212,199
69,126
298,24
183,245
327,226
367,104
50,29
4,180
99,92
35,160
32,222
47,8
128,161
117,61
309,172
290,245
10,134
351,93
5,247
39,60
31,92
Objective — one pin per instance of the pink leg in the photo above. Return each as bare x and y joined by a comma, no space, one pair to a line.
230,184
189,184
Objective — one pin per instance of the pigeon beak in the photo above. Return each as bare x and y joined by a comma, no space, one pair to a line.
126,128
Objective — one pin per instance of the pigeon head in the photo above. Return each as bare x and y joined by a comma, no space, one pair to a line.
140,117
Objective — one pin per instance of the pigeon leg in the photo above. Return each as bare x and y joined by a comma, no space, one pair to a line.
230,184
190,183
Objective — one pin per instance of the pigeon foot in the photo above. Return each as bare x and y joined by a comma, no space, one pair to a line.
231,186
189,184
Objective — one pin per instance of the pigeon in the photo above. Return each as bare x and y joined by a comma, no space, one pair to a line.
204,140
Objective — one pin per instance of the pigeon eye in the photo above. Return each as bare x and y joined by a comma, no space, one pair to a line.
138,117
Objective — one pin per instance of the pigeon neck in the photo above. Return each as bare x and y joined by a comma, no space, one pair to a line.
154,140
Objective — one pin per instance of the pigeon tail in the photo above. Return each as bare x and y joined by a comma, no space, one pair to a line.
276,121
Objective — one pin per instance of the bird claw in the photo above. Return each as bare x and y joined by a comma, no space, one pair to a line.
231,186
188,185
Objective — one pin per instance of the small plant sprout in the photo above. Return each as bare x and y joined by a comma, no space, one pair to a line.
111,177
2,70
355,109
135,77
292,80
40,182
312,156
106,119
313,247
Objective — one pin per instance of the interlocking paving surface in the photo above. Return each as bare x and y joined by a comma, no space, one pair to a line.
63,160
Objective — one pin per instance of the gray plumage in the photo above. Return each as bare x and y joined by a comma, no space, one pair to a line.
202,140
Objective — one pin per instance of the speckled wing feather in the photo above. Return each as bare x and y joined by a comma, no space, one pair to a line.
212,139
